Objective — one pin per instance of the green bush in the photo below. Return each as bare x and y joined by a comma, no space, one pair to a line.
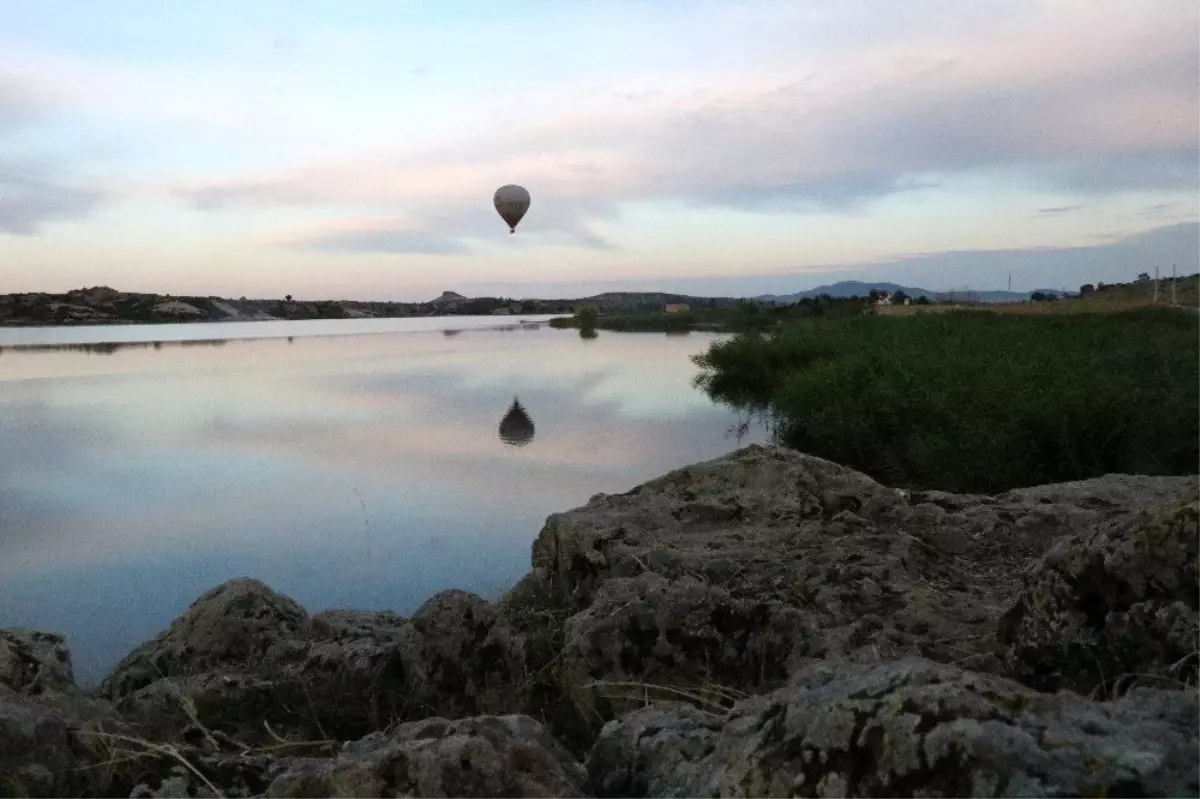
976,402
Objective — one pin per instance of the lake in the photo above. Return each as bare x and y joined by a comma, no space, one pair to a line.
347,463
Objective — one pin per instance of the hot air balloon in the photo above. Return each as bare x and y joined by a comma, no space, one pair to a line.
511,203
516,428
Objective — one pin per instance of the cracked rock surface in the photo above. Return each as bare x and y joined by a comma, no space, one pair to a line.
1114,604
481,756
908,728
243,654
745,568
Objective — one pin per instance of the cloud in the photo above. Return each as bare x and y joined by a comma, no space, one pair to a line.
34,190
1046,105
31,196
18,105
385,240
1163,211
446,228
1119,259
1058,209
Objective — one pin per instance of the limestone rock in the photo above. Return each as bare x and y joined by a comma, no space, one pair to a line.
243,654
908,728
743,521
732,573
478,756
52,745
1111,606
878,573
717,519
32,662
233,624
680,634
470,659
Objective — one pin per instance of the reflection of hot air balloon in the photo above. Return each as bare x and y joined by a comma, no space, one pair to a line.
511,203
516,428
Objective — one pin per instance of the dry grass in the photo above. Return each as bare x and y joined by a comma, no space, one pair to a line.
1088,305
149,748
709,697
122,750
1109,690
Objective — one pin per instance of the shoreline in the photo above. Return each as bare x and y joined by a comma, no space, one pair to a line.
102,335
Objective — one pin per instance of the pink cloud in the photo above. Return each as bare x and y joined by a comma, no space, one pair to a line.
1086,100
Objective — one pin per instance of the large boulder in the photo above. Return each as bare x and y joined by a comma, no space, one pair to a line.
479,756
61,744
469,656
908,728
1113,606
683,635
742,569
238,622
33,662
54,739
43,751
243,654
745,519
727,520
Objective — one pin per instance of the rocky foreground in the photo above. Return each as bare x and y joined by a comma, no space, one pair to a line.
767,623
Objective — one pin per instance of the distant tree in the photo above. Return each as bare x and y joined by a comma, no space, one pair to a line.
288,298
922,300
1086,289
1038,296
1143,277
899,297
587,318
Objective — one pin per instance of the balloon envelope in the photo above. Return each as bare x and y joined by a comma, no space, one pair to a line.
511,203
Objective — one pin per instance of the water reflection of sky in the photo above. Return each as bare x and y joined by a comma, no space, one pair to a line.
362,471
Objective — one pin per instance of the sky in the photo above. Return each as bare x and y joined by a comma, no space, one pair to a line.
334,149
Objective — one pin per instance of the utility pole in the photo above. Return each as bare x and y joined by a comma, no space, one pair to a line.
1156,283
1173,281
1010,281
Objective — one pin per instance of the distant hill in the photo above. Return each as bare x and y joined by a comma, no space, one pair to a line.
632,301
449,296
101,305
857,288
1186,290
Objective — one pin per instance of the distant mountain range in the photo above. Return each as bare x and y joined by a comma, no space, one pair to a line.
856,288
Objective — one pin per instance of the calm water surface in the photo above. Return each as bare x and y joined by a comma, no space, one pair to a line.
356,464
